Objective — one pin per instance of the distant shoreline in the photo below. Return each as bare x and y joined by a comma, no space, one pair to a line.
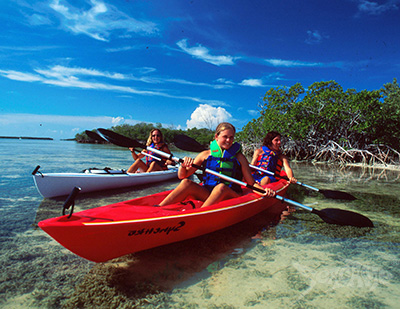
27,137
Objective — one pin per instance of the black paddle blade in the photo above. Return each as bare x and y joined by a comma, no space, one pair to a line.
94,136
343,217
187,143
337,195
120,140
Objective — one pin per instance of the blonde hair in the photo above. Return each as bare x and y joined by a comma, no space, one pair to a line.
150,141
224,126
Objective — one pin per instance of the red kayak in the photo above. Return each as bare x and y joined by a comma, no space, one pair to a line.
111,231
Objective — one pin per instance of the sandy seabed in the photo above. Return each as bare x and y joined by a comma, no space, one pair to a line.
298,263
276,266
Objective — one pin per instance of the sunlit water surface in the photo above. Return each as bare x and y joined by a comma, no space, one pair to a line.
294,261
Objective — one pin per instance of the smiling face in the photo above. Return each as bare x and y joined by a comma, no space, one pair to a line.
276,143
156,136
225,138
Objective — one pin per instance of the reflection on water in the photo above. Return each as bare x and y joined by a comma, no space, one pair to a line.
140,277
290,259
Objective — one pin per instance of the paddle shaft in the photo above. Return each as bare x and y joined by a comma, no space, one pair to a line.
230,179
151,156
329,215
283,177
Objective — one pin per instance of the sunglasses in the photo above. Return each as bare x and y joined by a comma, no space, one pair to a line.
155,135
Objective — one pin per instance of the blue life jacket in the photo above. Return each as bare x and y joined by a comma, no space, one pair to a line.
224,162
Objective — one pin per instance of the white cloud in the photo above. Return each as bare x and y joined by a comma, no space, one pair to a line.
38,20
253,112
36,48
252,82
315,37
225,81
122,49
299,64
374,8
117,120
291,63
13,119
202,53
70,77
59,71
100,20
62,72
207,116
20,76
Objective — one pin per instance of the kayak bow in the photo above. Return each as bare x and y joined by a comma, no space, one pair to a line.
111,231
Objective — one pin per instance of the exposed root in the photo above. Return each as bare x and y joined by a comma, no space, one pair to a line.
331,152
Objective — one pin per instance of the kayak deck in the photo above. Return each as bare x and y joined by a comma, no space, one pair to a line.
114,230
59,184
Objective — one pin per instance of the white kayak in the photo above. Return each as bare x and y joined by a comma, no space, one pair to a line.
59,184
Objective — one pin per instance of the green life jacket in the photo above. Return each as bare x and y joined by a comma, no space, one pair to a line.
224,162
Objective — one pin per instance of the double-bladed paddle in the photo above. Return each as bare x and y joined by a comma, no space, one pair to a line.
329,215
93,135
187,143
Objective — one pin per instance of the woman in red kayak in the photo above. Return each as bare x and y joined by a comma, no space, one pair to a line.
270,158
225,157
151,164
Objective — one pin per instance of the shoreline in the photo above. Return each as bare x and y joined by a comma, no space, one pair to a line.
391,167
27,137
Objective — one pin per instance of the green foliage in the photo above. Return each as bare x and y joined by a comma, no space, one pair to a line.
390,133
276,114
309,118
138,131
82,138
203,136
325,112
141,133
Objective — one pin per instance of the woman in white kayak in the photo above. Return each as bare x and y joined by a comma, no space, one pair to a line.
155,141
270,158
225,157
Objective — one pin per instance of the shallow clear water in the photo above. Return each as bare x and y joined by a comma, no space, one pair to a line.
292,261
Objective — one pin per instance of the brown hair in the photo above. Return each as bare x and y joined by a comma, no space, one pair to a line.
224,126
150,141
267,141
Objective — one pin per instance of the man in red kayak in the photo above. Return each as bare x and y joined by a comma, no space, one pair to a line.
225,157
155,141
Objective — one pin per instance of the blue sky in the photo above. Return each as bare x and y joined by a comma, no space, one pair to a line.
71,65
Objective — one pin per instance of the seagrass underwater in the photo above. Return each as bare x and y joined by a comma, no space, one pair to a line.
265,261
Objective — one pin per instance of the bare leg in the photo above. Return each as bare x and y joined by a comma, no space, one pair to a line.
135,166
183,190
219,193
265,181
154,166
